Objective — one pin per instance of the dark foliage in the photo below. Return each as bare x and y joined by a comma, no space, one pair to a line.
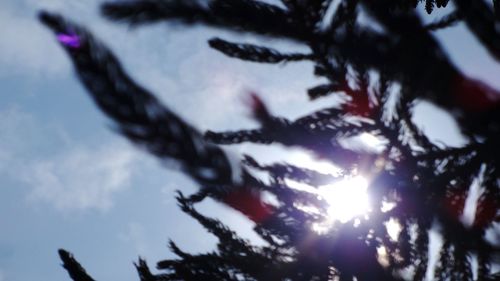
74,269
369,69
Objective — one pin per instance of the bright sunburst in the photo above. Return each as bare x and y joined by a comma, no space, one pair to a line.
347,199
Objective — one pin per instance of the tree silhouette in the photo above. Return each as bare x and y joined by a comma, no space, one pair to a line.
379,74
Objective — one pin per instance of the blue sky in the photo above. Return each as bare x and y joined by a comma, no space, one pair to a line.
67,181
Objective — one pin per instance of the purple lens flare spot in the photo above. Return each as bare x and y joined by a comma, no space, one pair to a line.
69,40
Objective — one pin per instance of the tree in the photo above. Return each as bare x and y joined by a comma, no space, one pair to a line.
379,76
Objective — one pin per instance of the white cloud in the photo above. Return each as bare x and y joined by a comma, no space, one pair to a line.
82,178
17,132
26,46
65,173
207,85
135,235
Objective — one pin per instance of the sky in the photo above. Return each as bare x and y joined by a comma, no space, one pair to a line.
67,181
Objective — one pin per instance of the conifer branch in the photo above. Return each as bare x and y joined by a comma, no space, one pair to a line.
428,184
248,15
254,53
75,270
138,115
446,21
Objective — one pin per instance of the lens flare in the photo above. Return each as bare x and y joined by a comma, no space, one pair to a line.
70,40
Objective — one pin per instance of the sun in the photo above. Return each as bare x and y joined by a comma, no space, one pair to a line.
347,198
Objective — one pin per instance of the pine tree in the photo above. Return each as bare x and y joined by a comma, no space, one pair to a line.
379,75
